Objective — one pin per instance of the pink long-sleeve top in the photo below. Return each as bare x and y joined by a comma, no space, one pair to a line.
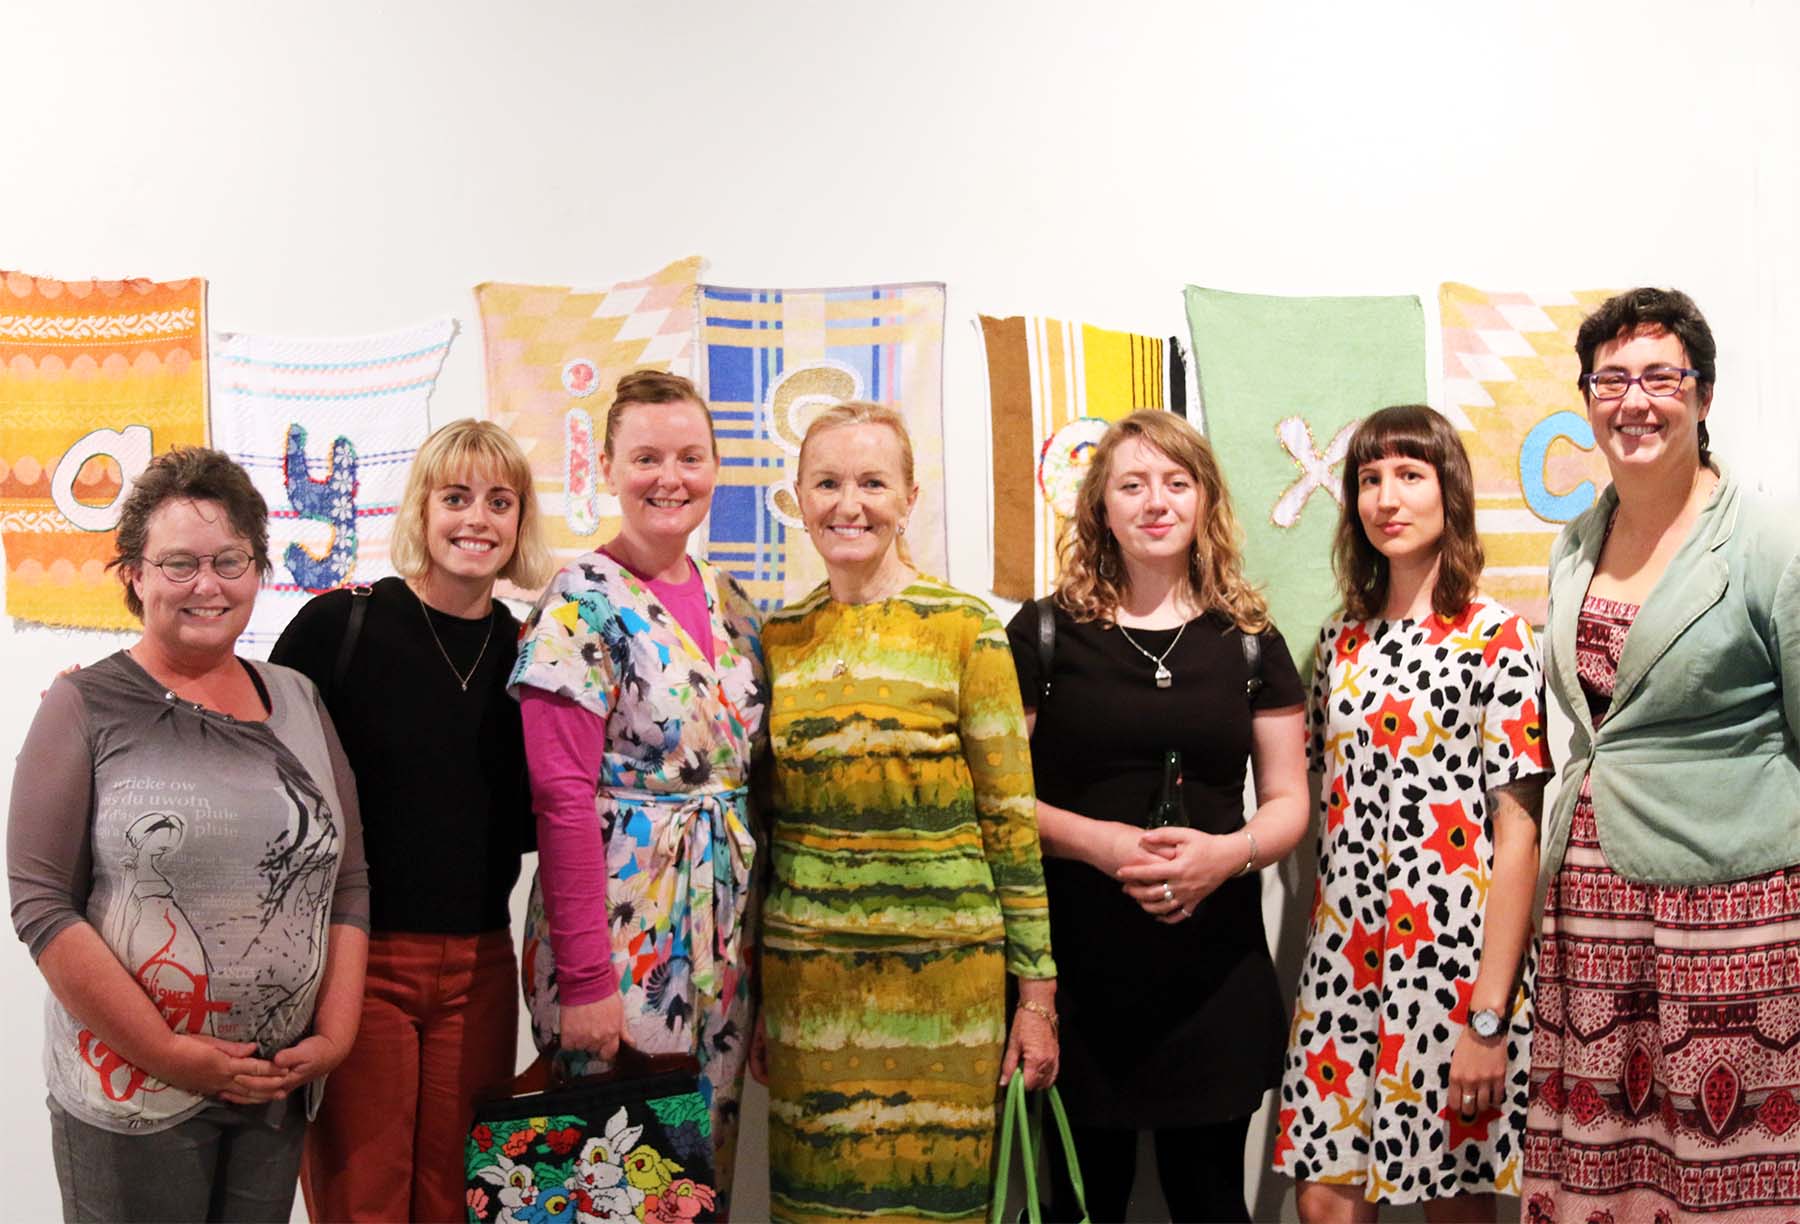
564,749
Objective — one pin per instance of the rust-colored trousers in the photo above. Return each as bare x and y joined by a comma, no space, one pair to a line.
439,1032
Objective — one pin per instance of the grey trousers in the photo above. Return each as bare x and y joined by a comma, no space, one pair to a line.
225,1163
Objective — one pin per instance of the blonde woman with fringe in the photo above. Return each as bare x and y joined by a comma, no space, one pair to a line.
906,881
1172,1018
417,692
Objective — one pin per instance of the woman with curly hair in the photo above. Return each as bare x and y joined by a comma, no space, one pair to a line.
1172,1019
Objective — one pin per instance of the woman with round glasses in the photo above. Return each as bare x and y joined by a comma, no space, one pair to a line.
1665,1076
186,865
414,671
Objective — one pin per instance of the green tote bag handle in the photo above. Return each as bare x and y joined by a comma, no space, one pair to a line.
1016,1119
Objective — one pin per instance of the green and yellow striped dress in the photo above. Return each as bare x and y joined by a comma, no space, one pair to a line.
906,885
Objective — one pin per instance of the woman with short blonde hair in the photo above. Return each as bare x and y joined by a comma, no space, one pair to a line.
464,446
413,670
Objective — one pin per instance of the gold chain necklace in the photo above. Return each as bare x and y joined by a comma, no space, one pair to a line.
1164,677
461,679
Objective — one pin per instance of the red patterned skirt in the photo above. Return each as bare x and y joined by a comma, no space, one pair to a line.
1665,1065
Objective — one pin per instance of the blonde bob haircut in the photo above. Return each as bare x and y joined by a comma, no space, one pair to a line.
864,412
1093,580
458,450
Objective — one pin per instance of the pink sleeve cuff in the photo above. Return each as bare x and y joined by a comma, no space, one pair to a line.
565,746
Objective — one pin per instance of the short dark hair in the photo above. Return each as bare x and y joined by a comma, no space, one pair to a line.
1415,432
191,473
1668,310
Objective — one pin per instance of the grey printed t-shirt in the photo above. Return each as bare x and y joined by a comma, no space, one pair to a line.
210,854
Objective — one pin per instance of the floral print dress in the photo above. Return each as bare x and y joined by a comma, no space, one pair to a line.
672,801
1411,725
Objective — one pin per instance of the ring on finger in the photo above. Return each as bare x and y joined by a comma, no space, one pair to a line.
1168,893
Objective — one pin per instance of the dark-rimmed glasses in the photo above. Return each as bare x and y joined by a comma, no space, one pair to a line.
1613,384
185,567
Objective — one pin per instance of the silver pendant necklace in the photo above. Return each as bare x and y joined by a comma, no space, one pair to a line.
461,679
1164,677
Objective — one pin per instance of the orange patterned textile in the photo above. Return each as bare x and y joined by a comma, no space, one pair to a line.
554,355
95,377
1509,388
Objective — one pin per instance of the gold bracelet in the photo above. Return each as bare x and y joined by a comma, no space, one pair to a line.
1250,863
1038,1009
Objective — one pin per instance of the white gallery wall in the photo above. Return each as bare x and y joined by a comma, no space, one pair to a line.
340,168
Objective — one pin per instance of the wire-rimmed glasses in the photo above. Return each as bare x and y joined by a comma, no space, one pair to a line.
184,567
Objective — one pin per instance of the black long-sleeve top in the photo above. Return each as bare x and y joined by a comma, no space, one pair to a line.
440,771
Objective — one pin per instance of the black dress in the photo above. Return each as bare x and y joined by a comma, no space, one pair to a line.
1162,1025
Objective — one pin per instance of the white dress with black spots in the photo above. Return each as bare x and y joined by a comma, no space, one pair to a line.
1410,724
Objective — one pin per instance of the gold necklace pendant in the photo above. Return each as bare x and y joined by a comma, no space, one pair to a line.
461,679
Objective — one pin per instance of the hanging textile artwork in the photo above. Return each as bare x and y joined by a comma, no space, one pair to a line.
771,358
1283,382
95,378
554,355
327,430
1052,388
1509,388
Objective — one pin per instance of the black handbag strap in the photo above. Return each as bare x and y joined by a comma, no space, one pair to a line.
1252,643
1046,652
1046,644
359,610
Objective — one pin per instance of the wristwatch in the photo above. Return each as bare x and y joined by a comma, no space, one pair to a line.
1486,1022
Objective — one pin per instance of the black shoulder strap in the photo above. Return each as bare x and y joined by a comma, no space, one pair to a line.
1046,645
1252,643
359,608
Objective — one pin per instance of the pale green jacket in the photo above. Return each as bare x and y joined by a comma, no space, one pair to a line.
1696,775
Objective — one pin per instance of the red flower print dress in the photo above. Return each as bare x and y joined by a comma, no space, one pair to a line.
1411,725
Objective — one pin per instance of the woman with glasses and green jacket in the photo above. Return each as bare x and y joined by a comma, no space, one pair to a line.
1665,1072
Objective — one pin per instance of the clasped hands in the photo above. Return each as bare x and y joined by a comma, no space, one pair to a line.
231,1070
1169,871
